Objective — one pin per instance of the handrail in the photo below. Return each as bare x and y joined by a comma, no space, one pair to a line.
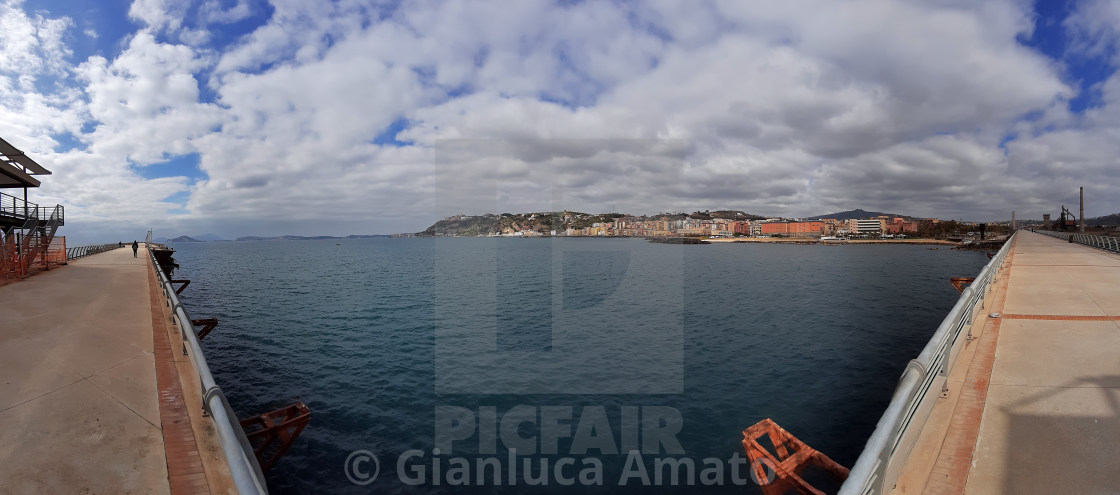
243,465
878,466
16,207
13,207
1106,243
73,253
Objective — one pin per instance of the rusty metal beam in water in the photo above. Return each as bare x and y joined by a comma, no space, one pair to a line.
207,325
273,432
960,282
789,460
185,283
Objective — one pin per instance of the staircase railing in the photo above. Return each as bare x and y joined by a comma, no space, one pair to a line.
55,220
28,229
28,232
38,240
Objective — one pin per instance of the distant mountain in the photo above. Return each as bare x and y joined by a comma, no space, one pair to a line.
307,237
854,214
1113,219
184,238
295,238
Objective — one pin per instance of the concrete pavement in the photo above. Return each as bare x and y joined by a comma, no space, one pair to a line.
78,399
1049,384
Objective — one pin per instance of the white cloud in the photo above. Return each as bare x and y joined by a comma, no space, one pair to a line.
1095,28
145,102
791,108
159,14
212,12
31,45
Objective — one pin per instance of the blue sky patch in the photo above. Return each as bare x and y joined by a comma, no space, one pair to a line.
180,197
67,141
1082,71
179,166
102,17
388,137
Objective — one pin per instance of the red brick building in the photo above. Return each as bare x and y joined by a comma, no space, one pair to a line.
898,225
808,228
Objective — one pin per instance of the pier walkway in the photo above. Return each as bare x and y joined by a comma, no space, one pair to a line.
1035,405
80,406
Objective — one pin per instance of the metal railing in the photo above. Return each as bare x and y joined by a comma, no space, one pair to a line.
56,214
1107,243
921,384
243,465
15,207
73,253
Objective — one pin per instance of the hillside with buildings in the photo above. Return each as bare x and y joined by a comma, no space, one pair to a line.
1105,220
722,223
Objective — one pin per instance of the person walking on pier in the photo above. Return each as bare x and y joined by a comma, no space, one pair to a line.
135,246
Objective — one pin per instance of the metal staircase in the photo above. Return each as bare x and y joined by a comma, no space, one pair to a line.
42,233
27,232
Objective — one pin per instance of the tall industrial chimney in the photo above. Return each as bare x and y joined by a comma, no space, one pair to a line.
1081,216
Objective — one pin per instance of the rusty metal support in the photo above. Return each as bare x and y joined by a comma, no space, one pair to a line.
273,432
789,459
960,282
185,283
207,325
164,259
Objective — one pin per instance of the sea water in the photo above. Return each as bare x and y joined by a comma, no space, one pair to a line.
561,346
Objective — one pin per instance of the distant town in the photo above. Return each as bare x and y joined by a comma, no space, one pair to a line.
725,225
856,224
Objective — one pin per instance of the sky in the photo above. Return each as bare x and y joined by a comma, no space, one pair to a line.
252,117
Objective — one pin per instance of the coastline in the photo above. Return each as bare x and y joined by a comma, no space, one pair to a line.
791,240
786,240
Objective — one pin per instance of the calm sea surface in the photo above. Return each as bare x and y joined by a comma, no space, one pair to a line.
375,335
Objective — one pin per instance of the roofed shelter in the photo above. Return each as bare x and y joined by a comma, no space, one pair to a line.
16,171
16,168
26,229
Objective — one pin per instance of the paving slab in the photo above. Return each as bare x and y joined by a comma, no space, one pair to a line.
1051,412
1047,440
78,439
131,383
39,373
78,401
1051,423
1055,354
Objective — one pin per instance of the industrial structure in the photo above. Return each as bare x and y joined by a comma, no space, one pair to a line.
26,229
